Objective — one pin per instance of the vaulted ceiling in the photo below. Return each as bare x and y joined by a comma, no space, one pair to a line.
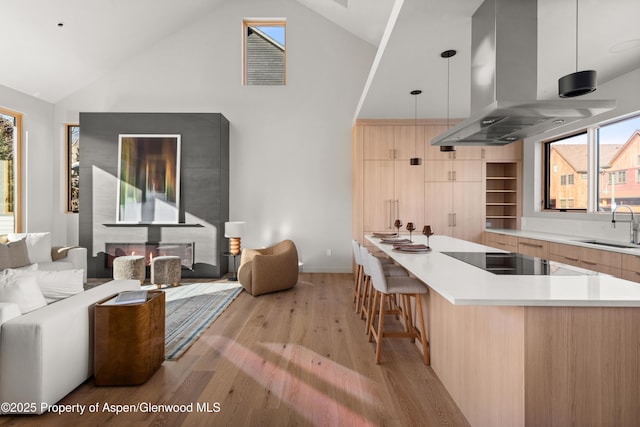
51,62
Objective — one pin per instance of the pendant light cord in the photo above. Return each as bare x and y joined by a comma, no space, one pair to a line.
448,89
576,36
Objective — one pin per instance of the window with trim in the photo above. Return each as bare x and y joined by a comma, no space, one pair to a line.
73,168
616,146
264,52
566,157
10,171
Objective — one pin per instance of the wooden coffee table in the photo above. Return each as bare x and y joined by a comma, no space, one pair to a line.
128,340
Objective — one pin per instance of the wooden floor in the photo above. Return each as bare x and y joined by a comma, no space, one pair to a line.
298,357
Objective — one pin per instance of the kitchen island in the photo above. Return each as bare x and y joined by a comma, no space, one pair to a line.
515,350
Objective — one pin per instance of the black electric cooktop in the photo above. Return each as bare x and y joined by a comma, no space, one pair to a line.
516,264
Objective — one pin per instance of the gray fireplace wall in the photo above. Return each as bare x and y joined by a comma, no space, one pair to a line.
204,182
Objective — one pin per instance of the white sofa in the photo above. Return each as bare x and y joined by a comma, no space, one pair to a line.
45,257
48,352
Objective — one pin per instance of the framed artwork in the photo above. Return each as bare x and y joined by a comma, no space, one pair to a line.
148,179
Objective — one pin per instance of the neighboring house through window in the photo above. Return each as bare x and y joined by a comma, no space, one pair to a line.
264,53
617,147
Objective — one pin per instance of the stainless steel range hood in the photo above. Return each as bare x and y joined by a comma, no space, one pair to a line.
504,64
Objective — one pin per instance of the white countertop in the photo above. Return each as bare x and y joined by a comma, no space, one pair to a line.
463,284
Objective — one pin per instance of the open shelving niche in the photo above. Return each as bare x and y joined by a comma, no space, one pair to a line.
501,195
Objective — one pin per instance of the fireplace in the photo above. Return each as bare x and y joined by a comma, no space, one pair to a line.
149,251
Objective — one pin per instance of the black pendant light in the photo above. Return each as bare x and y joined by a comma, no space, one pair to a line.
580,82
447,54
415,161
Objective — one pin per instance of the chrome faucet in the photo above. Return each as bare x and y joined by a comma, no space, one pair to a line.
634,224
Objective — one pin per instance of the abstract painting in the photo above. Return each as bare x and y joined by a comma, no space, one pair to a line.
148,179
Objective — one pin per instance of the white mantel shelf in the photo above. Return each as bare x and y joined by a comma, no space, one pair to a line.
463,284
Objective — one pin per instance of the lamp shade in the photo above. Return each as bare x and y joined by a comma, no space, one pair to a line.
234,229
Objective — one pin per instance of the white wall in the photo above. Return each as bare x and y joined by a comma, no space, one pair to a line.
290,146
40,147
625,90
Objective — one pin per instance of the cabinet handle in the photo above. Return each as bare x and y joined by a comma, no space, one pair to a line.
589,262
390,214
571,259
454,176
530,244
397,208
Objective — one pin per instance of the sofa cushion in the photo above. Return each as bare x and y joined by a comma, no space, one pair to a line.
22,290
38,245
14,254
54,285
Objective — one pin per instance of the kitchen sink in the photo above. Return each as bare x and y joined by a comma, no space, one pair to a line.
610,244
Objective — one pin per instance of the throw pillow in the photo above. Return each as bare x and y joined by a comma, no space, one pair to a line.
54,285
23,291
38,245
14,254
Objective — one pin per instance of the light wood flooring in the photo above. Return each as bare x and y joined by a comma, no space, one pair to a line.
298,357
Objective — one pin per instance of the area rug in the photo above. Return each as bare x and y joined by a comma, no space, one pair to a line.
190,309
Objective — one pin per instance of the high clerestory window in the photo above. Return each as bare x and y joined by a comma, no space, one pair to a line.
264,52
609,176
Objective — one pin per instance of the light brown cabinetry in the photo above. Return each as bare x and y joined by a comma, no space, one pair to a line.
502,195
501,241
533,247
630,267
392,191
445,191
391,188
393,142
599,260
566,254
511,151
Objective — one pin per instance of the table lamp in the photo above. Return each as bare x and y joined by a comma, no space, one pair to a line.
234,230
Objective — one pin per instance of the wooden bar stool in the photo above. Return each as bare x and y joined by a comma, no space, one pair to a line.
359,274
360,280
390,270
407,287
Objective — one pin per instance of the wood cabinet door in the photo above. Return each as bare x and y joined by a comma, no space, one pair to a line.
379,142
566,254
379,200
511,151
409,192
432,152
533,247
438,206
467,170
467,211
438,170
409,142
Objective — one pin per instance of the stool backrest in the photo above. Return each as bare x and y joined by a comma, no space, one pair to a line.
356,251
364,257
377,274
